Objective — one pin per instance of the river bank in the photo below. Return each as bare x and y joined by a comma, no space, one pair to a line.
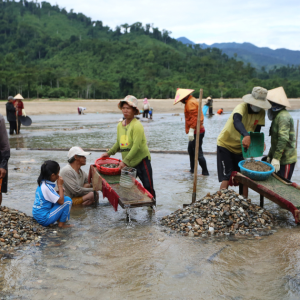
69,106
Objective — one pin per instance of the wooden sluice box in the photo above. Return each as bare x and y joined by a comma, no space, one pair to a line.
136,196
279,190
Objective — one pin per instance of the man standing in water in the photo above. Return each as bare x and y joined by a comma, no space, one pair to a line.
191,115
11,115
4,157
247,116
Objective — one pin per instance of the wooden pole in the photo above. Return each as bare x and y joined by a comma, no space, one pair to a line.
297,133
17,119
197,146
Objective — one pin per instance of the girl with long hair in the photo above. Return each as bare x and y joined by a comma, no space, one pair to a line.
50,206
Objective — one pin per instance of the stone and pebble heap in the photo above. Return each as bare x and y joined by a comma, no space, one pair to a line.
223,213
16,228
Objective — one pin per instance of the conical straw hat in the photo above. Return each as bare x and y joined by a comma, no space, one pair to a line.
18,97
180,94
278,96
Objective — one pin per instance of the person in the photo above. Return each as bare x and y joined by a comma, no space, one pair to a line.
49,206
132,143
81,110
191,115
283,153
76,180
20,111
151,113
247,116
220,111
209,103
146,108
4,157
11,115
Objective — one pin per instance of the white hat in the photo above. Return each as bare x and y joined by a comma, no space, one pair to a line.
77,151
278,96
18,97
258,98
181,94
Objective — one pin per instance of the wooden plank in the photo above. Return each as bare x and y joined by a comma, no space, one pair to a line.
124,203
197,146
254,186
241,179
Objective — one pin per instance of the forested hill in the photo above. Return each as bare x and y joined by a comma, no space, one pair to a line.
256,56
46,51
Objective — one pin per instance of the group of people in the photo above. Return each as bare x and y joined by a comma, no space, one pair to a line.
14,111
72,182
73,188
248,116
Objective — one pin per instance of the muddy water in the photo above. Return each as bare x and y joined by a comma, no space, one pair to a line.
103,258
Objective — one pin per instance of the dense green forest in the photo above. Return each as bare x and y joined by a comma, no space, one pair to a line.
46,51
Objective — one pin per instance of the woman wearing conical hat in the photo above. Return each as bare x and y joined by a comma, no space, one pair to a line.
191,114
132,143
19,106
283,152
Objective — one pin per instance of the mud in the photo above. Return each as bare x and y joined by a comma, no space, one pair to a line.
256,166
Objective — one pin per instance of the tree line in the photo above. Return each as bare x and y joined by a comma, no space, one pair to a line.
48,52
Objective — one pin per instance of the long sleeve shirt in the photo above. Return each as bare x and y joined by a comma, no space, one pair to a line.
132,143
20,106
191,115
10,112
283,138
4,145
74,182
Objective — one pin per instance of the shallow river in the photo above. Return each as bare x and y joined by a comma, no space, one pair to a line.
104,258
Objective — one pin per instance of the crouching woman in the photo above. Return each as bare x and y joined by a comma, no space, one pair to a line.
50,206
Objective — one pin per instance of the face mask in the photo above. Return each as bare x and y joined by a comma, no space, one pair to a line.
277,107
270,114
255,108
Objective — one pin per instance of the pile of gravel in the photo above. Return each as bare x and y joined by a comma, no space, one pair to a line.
223,213
16,228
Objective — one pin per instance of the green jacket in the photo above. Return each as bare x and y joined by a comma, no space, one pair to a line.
132,143
283,139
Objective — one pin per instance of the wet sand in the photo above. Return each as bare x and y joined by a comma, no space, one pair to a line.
69,106
102,257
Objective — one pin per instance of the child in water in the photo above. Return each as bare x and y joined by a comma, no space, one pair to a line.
50,206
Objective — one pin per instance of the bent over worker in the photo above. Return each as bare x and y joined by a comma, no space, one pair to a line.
191,115
283,152
247,116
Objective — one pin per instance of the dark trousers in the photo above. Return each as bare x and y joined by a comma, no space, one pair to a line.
286,171
144,173
201,159
12,127
145,113
19,124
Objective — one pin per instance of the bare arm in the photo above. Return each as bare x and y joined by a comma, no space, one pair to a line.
60,182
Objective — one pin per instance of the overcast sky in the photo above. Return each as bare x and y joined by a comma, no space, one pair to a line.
265,23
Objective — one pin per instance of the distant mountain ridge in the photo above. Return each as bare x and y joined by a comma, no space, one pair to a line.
257,56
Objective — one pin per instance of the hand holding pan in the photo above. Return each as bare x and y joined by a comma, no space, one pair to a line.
26,121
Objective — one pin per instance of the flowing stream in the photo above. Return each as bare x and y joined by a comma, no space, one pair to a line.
103,258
